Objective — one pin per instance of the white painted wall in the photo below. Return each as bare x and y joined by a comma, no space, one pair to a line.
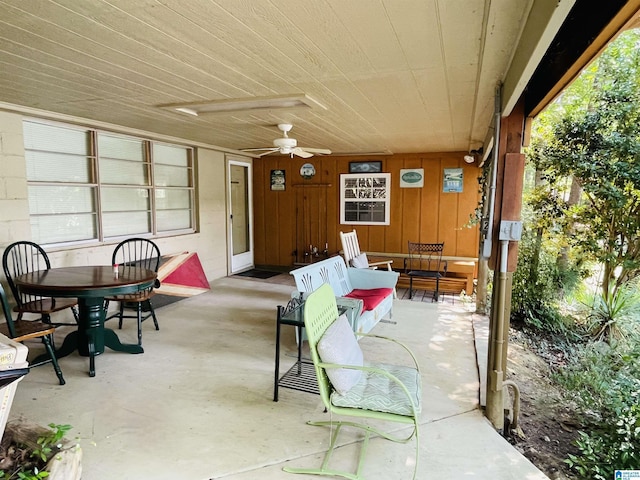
210,242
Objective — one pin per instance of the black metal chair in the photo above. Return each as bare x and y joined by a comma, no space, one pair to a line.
425,262
25,257
22,330
141,253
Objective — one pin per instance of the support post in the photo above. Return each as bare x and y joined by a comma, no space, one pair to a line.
508,206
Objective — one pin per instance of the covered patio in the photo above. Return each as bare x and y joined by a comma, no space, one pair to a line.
198,403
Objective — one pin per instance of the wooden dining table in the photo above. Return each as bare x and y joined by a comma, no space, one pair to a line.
90,285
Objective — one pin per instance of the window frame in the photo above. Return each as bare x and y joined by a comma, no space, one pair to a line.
98,188
363,178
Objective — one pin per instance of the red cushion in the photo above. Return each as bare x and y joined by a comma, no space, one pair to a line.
371,297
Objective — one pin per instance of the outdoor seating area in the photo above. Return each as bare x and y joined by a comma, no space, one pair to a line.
200,406
367,294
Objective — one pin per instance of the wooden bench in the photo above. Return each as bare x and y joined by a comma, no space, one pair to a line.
461,271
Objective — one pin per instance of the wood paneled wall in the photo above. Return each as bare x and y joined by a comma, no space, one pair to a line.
417,214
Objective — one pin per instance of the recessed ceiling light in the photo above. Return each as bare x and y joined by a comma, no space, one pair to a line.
245,104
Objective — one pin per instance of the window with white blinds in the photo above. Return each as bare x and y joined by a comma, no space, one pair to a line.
88,185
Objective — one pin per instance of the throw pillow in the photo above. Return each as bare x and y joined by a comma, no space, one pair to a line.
361,261
339,345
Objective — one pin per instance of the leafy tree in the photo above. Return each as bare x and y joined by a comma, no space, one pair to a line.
592,136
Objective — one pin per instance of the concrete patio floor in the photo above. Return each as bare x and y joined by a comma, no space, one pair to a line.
198,404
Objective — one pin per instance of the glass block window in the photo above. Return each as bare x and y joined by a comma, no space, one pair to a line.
364,198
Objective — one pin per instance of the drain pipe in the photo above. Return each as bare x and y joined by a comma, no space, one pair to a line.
509,231
488,241
516,403
498,371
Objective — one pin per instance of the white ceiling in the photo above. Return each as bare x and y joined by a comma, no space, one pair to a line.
394,76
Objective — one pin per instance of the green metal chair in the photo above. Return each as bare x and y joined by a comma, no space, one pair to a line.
383,392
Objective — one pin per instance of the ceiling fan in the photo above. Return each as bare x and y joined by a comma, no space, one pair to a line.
288,146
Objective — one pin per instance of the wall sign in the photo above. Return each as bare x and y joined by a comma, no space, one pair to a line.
411,177
365,167
307,170
277,180
452,181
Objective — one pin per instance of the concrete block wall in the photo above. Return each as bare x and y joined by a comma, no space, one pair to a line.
14,202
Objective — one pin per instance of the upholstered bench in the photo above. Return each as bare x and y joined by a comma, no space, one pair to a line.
367,294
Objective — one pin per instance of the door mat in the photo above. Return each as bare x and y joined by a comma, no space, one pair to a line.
263,274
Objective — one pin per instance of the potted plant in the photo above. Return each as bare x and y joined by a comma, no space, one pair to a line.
32,452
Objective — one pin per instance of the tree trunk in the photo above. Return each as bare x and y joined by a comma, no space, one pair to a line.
574,198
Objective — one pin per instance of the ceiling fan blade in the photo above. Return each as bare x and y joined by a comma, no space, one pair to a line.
267,152
323,151
301,152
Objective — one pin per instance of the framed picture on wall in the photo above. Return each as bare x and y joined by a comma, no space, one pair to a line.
452,181
365,167
277,180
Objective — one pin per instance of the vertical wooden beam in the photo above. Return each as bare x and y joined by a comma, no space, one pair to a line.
508,206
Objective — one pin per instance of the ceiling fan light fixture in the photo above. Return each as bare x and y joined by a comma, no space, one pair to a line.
285,142
289,146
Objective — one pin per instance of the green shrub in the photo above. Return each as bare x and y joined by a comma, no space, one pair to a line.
610,445
539,282
604,381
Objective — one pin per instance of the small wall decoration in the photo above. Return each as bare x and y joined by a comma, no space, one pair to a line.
411,177
365,167
277,180
307,170
452,181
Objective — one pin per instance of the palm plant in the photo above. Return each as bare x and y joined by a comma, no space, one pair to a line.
614,316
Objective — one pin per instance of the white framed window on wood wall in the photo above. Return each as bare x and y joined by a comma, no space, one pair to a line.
365,198
90,185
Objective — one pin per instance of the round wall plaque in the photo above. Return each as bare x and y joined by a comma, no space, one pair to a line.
307,170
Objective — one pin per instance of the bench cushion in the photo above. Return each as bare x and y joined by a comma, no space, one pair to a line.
378,392
371,297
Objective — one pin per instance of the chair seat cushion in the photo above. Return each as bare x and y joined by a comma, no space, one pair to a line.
371,298
338,345
381,394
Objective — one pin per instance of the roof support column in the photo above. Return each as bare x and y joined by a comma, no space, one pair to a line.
504,255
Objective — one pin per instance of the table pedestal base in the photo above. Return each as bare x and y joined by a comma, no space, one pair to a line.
91,336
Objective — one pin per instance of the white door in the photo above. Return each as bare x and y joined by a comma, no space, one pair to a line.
240,215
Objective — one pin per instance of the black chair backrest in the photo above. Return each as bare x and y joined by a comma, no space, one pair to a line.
7,313
139,252
425,256
20,258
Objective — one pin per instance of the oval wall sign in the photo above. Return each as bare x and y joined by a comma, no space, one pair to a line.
411,177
